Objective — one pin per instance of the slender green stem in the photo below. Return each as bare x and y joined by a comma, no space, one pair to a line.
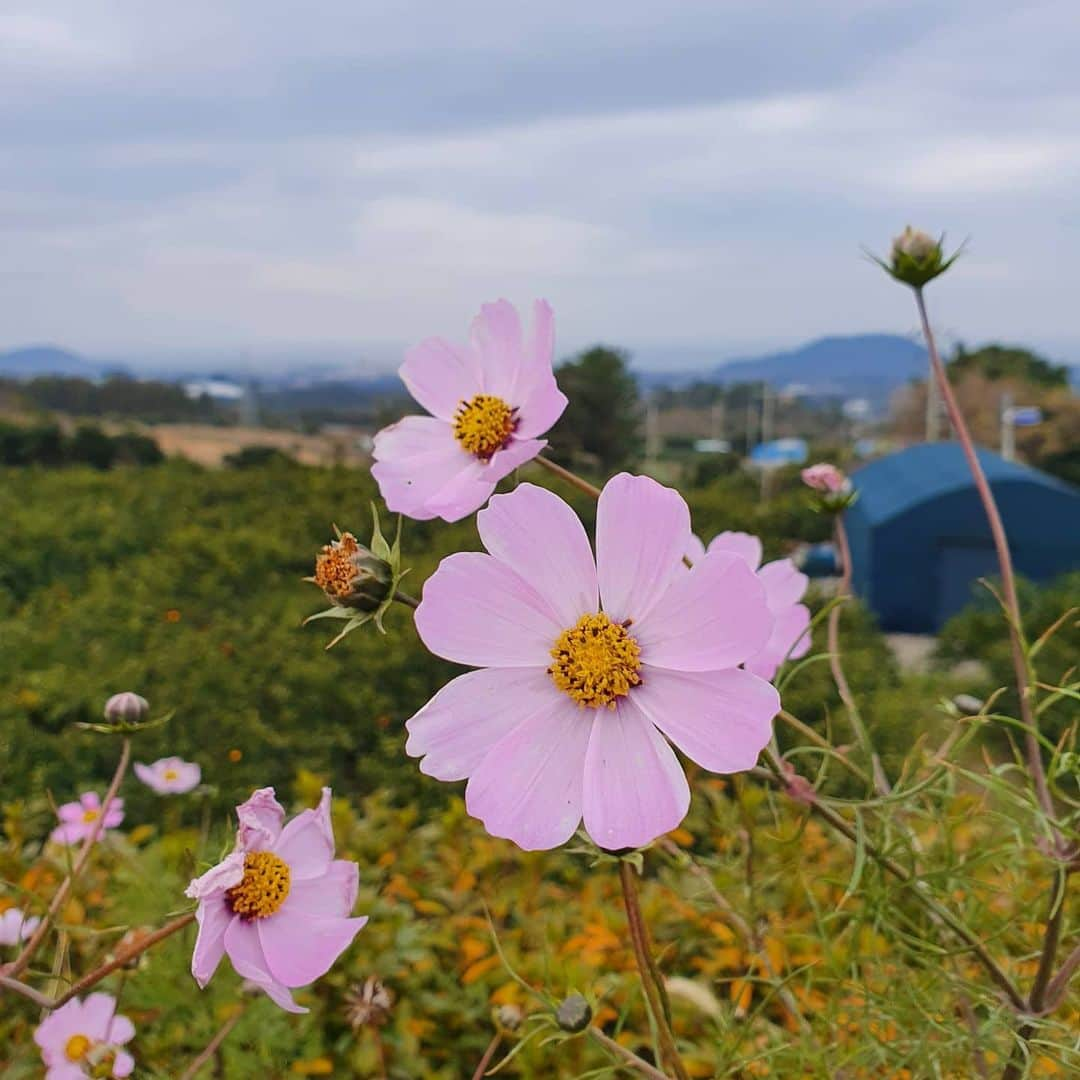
406,599
628,1056
966,935
881,784
1008,578
489,1053
22,961
568,476
213,1045
651,981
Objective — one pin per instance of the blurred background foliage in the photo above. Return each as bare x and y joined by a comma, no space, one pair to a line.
794,956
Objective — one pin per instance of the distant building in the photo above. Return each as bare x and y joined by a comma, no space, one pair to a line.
778,452
219,389
920,539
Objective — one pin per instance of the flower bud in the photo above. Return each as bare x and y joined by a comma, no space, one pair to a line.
126,708
916,258
574,1014
509,1017
824,477
914,243
834,490
368,1004
351,576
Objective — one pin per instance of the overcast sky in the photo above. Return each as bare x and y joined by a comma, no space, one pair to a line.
260,175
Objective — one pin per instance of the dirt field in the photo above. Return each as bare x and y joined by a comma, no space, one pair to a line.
208,445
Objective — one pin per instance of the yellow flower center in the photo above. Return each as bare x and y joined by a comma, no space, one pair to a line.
263,888
77,1047
91,815
596,661
170,774
483,425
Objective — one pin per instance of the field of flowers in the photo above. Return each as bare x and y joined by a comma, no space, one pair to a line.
846,871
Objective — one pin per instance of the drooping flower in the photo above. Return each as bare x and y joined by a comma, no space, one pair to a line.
16,926
824,477
784,588
587,667
278,906
490,401
169,775
78,819
85,1038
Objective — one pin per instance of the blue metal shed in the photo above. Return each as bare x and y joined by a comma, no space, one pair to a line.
920,539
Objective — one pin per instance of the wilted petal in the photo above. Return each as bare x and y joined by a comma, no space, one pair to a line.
213,916
260,821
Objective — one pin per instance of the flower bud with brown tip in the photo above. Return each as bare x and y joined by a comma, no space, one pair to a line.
351,576
508,1018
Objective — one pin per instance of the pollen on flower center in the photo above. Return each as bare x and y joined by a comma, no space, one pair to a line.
77,1047
91,815
596,661
170,774
484,425
263,888
334,568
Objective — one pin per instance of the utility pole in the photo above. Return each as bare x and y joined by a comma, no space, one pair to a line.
768,402
1008,431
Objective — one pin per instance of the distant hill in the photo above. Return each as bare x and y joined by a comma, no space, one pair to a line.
861,365
26,363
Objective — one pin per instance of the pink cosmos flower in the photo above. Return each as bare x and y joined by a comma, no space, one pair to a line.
169,776
784,588
588,667
77,819
489,401
824,477
15,926
279,905
84,1038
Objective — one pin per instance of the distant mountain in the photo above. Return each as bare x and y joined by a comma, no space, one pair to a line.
862,365
36,360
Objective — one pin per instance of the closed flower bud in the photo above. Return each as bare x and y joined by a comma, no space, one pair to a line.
574,1014
914,243
916,258
833,489
368,1004
351,576
508,1017
126,708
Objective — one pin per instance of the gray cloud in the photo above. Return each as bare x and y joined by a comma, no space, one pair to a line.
259,174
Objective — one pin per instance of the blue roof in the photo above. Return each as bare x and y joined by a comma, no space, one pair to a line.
895,484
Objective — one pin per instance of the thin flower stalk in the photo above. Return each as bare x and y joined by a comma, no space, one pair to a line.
489,1054
121,958
22,961
572,478
918,890
881,784
651,980
212,1047
1008,578
628,1057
